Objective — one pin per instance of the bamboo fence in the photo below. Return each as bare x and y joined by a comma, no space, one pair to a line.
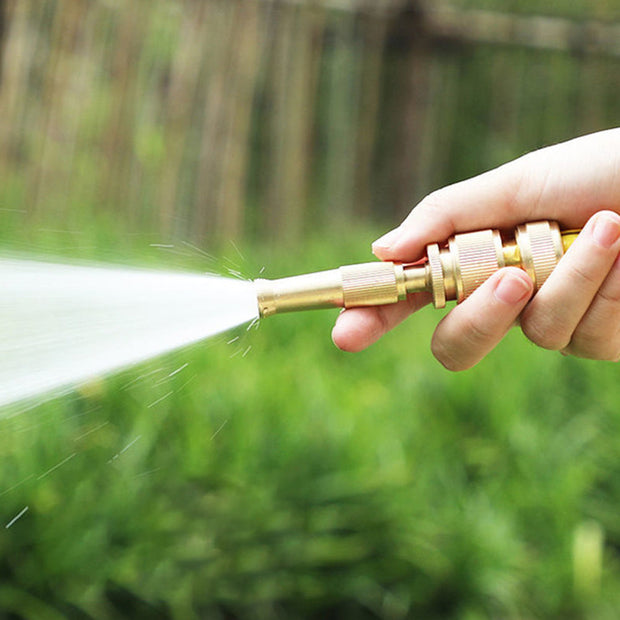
225,119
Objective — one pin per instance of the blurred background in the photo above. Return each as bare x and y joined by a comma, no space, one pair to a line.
264,474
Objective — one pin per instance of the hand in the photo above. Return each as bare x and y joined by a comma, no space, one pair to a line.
576,311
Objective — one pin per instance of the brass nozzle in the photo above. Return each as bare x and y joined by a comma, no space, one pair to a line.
367,284
451,272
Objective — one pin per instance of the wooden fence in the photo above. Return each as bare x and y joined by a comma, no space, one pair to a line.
230,118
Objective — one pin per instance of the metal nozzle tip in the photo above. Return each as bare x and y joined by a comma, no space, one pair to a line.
265,298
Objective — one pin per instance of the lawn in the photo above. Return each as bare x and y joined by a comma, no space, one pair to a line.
276,477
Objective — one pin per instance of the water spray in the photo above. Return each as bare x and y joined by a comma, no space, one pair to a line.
451,272
64,324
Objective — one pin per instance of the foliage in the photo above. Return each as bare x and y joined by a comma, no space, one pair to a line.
292,480
246,119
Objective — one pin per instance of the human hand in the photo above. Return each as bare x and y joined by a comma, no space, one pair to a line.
576,311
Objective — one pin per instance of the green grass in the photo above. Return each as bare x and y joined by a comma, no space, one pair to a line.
302,482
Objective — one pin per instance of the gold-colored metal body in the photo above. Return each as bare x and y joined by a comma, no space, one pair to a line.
451,272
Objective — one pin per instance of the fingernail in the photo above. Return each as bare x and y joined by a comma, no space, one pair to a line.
388,239
606,231
511,289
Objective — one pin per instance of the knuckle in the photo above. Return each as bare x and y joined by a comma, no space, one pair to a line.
433,206
611,356
444,353
610,296
460,350
583,277
544,333
609,293
602,354
595,346
432,201
426,209
475,333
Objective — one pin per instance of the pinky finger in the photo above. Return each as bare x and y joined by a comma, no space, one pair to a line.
598,334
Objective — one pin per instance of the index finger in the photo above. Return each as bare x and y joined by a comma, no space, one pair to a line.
567,182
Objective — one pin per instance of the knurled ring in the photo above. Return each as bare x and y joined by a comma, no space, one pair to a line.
439,290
